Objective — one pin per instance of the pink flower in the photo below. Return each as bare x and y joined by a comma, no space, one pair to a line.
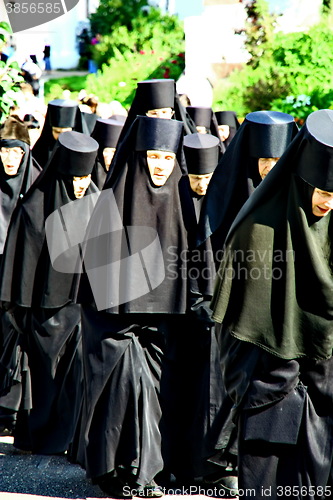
142,52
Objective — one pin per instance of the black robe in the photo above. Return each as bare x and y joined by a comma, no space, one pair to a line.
48,323
273,296
130,423
12,189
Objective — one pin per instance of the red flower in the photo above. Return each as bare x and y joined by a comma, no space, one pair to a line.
174,61
142,52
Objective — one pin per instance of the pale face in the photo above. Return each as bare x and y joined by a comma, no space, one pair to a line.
108,154
322,202
11,159
224,132
201,130
199,183
265,165
56,131
160,165
160,113
80,185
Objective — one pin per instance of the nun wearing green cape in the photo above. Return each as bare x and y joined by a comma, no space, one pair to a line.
273,300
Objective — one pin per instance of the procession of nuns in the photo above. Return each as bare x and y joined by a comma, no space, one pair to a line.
166,297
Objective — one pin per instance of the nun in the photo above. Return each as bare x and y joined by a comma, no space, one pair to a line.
106,132
33,286
227,124
273,306
17,174
198,352
257,146
135,299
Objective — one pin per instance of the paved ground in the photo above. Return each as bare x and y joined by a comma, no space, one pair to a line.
23,476
38,477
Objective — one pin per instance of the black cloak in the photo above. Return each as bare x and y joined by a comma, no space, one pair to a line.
46,323
263,134
273,296
14,133
146,232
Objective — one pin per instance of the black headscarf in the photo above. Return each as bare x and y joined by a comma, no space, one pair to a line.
12,187
275,283
228,118
63,113
203,116
145,228
106,132
201,154
27,276
263,134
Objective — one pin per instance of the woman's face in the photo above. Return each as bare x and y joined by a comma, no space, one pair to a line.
224,132
322,202
11,159
56,131
199,183
265,165
108,154
80,185
160,166
160,113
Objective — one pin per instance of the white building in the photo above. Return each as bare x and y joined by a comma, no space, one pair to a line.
60,34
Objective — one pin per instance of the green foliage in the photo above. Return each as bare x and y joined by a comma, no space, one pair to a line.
9,78
259,30
118,80
111,14
148,45
294,75
152,31
54,88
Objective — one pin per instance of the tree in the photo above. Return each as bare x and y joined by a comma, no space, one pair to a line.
111,14
259,30
9,77
289,72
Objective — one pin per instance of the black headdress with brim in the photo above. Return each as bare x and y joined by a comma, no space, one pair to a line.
76,154
107,132
270,132
227,118
316,167
201,115
62,113
201,153
159,135
156,94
